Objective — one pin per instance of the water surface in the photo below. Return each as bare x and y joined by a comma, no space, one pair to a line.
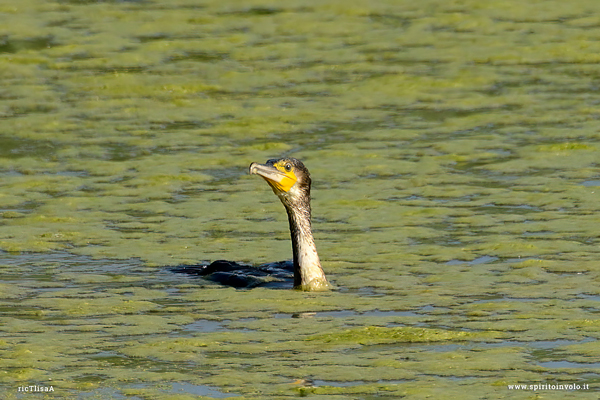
454,151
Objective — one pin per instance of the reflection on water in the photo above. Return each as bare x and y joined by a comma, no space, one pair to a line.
567,364
591,183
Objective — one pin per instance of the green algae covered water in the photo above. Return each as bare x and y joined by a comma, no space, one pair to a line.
454,148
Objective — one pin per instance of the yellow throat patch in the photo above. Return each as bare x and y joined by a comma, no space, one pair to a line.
288,180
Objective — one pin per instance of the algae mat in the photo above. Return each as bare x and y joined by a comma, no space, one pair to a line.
454,149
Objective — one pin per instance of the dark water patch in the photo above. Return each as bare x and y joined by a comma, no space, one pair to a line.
442,348
354,313
173,126
394,20
367,291
483,260
53,263
102,70
27,258
220,233
256,11
391,313
76,174
185,194
320,314
429,308
410,199
500,298
199,56
479,260
477,167
340,77
500,87
64,22
343,384
19,209
594,297
144,213
200,390
77,56
225,175
440,115
14,148
104,393
204,325
12,45
568,364
90,378
591,183
332,132
318,382
153,37
129,227
123,152
537,348
176,388
566,273
538,234
522,209
21,110
113,358
520,259
552,344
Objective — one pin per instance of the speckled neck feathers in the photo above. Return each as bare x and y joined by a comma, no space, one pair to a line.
308,273
290,181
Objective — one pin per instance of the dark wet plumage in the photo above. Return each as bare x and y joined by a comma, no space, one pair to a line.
229,273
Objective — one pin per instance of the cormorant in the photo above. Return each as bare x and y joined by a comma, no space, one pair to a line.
290,181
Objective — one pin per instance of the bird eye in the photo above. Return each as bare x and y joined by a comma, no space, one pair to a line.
288,167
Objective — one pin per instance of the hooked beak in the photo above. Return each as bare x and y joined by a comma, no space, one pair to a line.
279,180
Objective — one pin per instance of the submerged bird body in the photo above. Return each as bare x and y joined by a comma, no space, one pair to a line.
243,276
290,181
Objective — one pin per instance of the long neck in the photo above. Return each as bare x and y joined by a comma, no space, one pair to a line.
308,273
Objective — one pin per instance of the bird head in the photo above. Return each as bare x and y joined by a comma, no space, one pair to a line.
288,177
